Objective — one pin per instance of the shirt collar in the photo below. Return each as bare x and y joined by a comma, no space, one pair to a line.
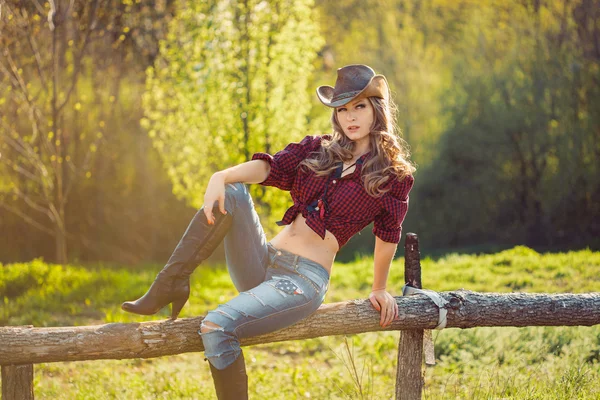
359,162
363,158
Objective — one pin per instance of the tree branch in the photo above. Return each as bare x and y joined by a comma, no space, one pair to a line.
17,76
17,168
26,218
38,6
38,61
26,151
31,203
91,26
20,84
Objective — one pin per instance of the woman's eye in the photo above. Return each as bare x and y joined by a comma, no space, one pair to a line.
341,109
360,106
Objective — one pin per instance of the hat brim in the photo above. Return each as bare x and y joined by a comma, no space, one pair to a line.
377,87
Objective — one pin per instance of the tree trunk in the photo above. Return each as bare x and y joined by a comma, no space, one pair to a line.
60,239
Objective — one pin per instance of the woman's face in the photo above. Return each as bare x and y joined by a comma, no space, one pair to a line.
356,119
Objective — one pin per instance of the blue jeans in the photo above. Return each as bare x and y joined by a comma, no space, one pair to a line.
277,288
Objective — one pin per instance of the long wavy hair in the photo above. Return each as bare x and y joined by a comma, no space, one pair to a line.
390,155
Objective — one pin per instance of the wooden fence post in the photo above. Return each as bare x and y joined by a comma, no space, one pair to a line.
409,374
17,382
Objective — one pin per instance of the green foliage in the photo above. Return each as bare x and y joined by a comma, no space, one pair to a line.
498,100
480,363
515,161
231,80
44,294
48,294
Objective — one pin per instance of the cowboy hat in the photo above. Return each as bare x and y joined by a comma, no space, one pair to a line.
353,81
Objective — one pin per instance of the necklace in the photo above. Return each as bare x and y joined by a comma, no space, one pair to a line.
355,158
347,168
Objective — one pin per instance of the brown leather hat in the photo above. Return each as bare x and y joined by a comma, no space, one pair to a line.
353,81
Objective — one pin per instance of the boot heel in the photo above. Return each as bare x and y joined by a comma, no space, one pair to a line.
176,307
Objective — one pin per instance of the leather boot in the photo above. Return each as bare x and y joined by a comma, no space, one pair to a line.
231,383
172,284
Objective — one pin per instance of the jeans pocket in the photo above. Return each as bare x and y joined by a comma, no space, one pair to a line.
318,282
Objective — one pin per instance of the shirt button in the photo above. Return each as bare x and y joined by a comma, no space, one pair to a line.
278,253
334,181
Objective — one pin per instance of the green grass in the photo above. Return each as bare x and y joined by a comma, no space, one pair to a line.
481,363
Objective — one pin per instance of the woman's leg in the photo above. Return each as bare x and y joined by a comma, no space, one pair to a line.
245,243
294,288
247,261
245,246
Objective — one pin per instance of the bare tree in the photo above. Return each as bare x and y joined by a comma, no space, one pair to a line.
42,52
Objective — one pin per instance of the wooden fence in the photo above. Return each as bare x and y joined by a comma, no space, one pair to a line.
23,346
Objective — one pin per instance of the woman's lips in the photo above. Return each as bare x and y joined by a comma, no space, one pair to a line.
353,128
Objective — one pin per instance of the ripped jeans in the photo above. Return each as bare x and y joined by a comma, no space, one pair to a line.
277,288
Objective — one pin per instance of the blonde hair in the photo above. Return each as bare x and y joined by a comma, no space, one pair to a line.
390,155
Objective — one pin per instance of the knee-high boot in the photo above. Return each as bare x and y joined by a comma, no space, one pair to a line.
172,284
231,383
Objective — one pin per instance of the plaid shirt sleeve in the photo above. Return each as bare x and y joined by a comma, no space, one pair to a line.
394,205
284,164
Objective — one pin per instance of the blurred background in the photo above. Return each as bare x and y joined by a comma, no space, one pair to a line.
114,114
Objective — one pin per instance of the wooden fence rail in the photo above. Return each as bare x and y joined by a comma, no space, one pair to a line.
20,347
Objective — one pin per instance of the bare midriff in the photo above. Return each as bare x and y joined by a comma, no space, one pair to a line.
300,239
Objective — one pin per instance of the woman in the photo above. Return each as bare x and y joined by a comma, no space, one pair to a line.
339,184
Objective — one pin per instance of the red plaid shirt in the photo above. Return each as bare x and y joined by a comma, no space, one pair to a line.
346,207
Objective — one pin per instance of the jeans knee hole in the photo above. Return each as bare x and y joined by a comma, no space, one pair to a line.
206,328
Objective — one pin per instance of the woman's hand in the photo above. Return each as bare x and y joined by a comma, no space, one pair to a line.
215,193
385,303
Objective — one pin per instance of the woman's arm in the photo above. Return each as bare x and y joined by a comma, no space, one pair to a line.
254,171
381,300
